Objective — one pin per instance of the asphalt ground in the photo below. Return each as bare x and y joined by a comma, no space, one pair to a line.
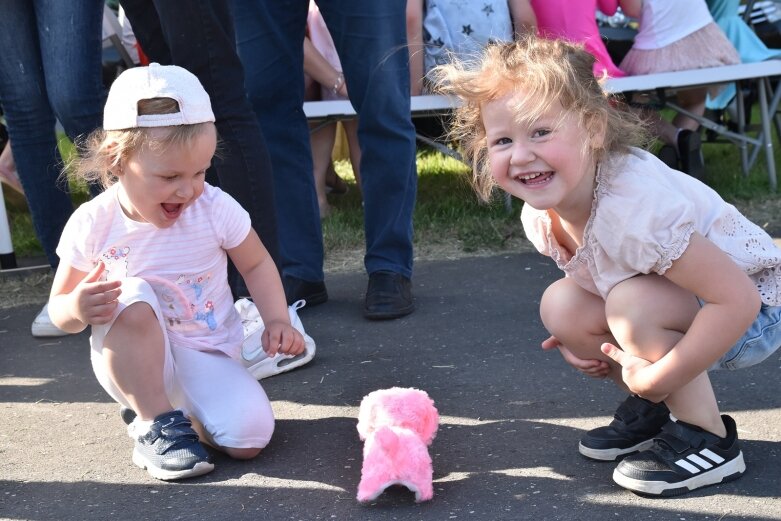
511,417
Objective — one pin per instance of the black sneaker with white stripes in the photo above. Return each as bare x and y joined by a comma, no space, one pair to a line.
634,425
683,457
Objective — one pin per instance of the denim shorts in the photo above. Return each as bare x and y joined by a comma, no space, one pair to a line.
761,340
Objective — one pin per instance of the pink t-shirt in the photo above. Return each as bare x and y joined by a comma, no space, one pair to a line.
641,221
185,264
576,22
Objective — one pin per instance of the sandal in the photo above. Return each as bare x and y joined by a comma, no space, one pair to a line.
254,357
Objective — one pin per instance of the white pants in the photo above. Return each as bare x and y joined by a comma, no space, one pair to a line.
209,386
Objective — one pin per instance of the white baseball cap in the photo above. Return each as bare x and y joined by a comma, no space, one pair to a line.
156,81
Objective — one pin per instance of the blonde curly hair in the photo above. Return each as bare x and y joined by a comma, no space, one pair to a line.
102,152
545,72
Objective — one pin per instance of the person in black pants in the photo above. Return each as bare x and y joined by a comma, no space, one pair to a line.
199,36
370,38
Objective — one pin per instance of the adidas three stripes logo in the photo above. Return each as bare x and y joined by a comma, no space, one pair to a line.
703,459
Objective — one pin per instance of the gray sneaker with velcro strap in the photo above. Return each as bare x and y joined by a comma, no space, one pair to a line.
170,449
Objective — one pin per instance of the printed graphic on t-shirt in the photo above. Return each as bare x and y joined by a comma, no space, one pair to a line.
202,308
115,259
186,304
186,301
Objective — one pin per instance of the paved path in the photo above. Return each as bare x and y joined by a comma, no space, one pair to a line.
506,449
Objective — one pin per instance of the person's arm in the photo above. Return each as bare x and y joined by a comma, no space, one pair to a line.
608,7
588,366
631,8
524,19
265,286
321,71
731,305
79,299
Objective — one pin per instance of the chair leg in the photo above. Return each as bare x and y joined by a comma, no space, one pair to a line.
767,139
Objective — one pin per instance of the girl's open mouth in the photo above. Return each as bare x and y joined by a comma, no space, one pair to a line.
172,210
536,178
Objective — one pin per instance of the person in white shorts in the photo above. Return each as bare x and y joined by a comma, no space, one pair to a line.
144,264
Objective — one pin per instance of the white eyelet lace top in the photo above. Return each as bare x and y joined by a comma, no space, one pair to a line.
642,218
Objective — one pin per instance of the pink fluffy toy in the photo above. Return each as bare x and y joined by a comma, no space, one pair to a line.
397,425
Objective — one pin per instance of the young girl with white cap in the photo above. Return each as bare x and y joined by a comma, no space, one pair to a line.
144,264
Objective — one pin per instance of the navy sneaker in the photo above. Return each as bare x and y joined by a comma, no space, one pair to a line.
683,458
170,449
633,428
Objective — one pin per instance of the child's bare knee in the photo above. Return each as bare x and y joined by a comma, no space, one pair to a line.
236,453
559,306
137,315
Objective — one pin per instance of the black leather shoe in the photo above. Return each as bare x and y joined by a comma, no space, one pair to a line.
299,289
690,154
388,295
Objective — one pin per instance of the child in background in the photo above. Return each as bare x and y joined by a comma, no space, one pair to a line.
144,263
576,22
456,29
677,36
663,279
325,81
745,40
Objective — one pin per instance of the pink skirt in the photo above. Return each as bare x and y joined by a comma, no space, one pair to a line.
706,47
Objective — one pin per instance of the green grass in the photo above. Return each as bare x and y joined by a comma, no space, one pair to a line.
447,211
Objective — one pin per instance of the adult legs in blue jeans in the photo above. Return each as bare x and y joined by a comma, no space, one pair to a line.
199,36
50,69
371,41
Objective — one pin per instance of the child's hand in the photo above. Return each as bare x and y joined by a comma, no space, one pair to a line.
280,337
95,301
592,368
634,372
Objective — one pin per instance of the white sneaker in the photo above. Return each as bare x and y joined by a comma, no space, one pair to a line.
254,358
43,326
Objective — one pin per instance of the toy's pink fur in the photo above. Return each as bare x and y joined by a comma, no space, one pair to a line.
397,426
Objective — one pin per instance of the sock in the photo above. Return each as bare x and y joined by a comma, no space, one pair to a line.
139,427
